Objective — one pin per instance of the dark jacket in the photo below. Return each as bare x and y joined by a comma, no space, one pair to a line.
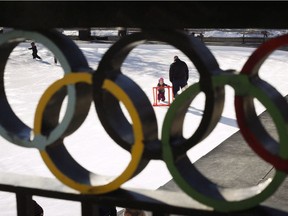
178,71
34,49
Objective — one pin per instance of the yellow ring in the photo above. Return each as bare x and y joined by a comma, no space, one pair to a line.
136,150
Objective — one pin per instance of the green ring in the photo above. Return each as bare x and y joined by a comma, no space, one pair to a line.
196,185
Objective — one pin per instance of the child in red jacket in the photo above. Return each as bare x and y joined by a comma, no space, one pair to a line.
161,89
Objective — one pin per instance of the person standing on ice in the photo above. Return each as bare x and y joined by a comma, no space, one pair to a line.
178,75
34,51
161,89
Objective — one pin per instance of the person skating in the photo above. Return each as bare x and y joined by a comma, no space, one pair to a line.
34,51
161,89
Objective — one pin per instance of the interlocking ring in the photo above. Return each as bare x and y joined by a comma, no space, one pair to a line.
48,133
107,87
190,179
252,129
65,167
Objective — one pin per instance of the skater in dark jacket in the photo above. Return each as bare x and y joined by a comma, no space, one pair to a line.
34,51
178,75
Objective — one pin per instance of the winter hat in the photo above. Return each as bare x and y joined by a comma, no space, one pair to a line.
161,79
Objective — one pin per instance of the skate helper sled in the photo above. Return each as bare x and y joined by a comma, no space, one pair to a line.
159,93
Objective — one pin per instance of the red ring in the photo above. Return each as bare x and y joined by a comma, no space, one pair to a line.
251,68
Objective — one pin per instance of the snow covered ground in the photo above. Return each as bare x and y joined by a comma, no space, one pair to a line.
26,80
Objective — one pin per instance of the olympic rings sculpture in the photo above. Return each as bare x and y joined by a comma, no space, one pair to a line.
107,86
